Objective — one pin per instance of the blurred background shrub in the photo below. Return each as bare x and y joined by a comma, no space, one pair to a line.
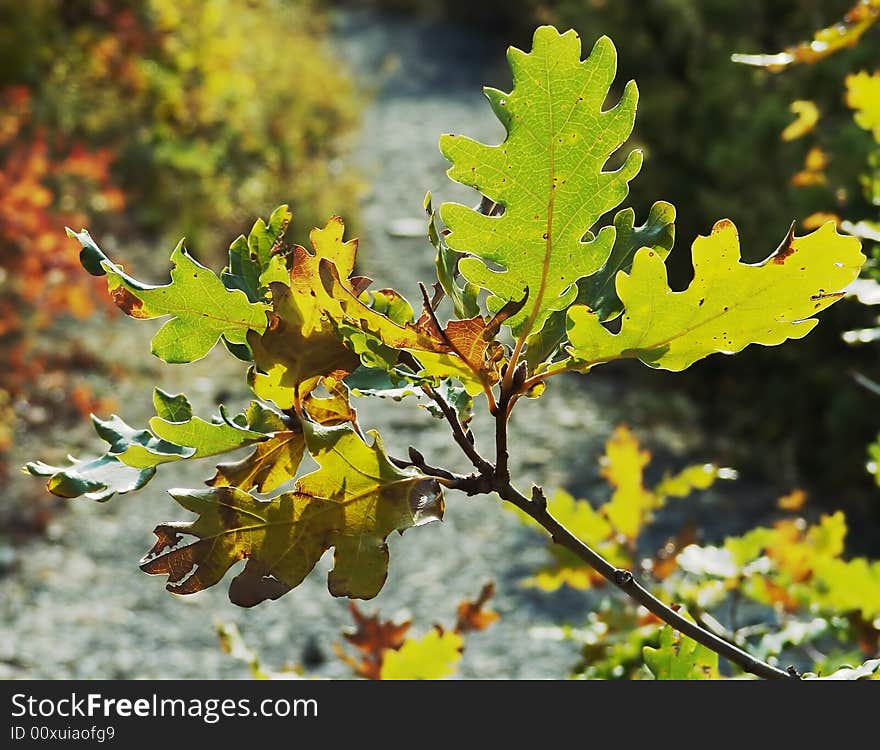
149,120
215,109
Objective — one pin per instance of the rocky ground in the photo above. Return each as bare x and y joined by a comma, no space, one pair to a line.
73,603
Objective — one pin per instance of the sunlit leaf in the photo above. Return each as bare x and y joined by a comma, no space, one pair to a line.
434,656
807,114
727,306
201,308
548,175
680,658
622,467
352,502
863,95
464,349
464,298
301,344
598,292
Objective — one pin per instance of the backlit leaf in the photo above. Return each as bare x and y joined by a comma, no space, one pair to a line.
727,306
464,298
201,308
434,656
598,292
863,95
352,502
548,175
623,467
301,344
680,658
465,349
275,461
807,115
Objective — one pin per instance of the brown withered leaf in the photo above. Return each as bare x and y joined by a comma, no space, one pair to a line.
300,344
472,615
465,349
352,503
372,637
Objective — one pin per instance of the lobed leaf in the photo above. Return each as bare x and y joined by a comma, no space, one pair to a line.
464,299
251,257
863,95
547,175
97,479
275,460
465,349
301,344
133,455
727,306
434,656
202,309
352,502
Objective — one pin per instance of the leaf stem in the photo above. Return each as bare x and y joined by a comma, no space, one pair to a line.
458,432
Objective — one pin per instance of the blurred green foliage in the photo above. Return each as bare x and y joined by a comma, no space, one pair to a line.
787,592
216,109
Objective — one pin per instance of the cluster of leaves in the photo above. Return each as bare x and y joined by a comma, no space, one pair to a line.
785,592
383,649
207,127
549,287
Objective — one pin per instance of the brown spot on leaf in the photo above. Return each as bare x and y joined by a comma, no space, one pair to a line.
128,303
786,247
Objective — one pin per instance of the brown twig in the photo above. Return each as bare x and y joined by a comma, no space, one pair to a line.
496,479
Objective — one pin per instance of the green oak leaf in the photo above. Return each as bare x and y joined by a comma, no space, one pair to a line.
658,233
727,306
97,479
174,435
252,256
680,658
434,656
202,309
548,175
352,502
